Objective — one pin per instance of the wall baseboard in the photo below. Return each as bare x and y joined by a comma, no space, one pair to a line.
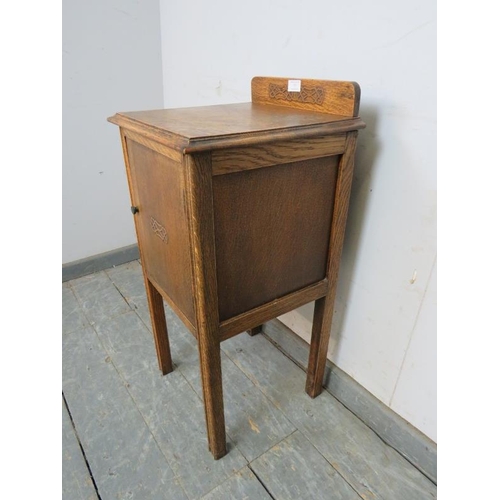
95,263
417,448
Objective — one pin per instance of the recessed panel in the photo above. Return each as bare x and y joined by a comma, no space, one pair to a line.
272,231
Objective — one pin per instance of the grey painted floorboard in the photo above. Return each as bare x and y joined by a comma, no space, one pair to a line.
124,458
361,457
98,297
393,429
253,423
129,280
295,469
144,435
76,481
72,315
240,486
169,405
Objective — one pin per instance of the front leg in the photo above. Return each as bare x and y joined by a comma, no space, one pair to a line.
200,206
211,379
159,324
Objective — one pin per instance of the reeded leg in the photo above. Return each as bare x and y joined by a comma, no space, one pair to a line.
255,331
211,379
160,332
322,322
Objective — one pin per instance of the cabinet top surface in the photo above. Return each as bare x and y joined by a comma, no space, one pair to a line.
197,125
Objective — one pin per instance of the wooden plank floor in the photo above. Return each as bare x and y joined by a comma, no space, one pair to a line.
129,433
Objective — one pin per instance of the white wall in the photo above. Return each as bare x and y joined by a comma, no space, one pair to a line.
416,387
111,62
384,329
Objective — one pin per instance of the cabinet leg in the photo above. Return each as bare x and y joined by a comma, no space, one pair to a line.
211,379
160,332
255,331
201,218
322,322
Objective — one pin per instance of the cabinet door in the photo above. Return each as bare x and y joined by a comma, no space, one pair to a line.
157,190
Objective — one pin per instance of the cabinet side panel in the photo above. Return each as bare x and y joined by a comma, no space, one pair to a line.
272,230
162,227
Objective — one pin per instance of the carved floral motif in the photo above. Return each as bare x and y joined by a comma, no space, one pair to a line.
313,95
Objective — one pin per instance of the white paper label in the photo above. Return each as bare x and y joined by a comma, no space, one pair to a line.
293,85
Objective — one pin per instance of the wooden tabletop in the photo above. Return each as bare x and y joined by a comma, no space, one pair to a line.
213,127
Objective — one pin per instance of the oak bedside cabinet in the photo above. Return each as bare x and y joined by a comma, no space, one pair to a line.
240,212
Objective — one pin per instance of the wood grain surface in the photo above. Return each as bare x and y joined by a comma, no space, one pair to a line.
327,96
226,161
187,322
159,195
240,212
154,145
255,331
159,324
272,231
155,303
208,128
202,246
323,309
249,319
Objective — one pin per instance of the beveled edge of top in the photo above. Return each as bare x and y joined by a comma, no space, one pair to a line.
162,136
189,145
266,136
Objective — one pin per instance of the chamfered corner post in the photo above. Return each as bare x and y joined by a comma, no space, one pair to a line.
155,300
202,242
323,307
